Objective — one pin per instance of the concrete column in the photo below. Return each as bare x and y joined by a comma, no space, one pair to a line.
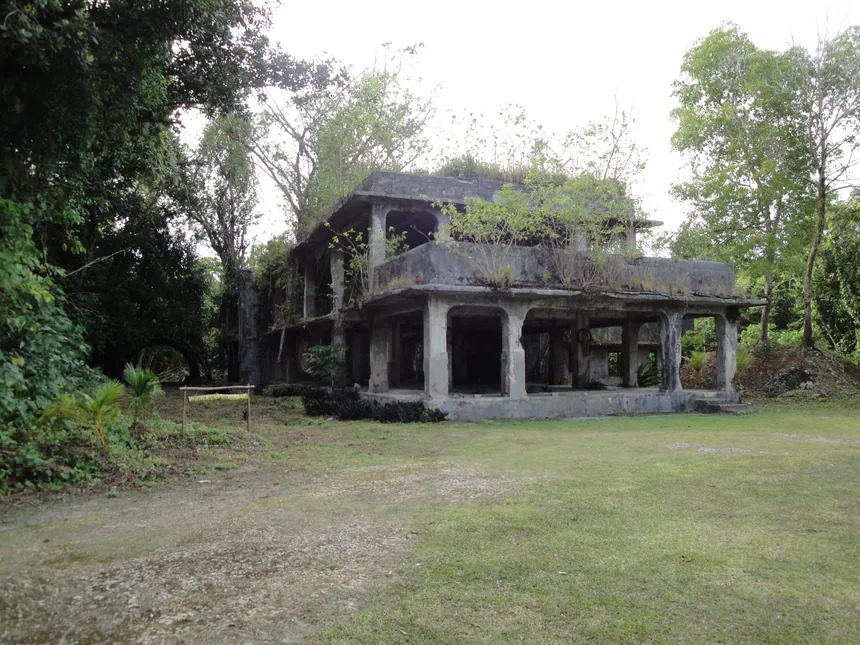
630,354
376,251
513,354
336,261
396,351
290,357
630,240
357,350
558,358
443,226
670,341
727,352
581,352
310,309
249,333
338,339
436,368
380,350
452,352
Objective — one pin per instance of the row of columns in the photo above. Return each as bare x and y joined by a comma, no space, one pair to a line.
437,361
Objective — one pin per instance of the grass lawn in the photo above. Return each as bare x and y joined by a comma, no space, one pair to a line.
662,529
681,529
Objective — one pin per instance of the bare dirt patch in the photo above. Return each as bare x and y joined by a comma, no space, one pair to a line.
253,555
702,448
442,481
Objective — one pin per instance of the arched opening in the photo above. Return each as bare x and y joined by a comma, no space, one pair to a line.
475,350
167,362
413,228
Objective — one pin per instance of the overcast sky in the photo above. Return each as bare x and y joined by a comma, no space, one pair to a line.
564,62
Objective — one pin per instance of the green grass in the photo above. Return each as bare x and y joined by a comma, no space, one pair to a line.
673,529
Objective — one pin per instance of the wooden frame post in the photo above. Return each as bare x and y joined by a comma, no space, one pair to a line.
248,424
184,404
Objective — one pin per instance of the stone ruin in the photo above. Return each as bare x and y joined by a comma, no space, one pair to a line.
427,328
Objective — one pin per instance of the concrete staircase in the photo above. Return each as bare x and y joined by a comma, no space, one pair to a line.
709,406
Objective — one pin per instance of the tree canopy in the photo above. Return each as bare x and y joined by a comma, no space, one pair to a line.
769,137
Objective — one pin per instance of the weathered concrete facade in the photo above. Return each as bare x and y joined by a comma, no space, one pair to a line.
427,328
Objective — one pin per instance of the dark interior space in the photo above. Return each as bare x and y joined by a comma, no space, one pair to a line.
476,352
408,352
417,227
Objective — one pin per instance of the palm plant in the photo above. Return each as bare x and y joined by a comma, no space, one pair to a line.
744,360
648,374
144,387
94,412
698,360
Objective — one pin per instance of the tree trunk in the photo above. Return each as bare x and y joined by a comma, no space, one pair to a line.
765,312
810,262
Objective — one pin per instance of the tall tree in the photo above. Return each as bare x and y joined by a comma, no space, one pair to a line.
218,191
837,278
741,136
827,85
318,144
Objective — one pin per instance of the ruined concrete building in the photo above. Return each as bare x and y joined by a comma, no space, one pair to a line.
424,326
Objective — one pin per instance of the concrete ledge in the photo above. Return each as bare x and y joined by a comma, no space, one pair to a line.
560,405
441,264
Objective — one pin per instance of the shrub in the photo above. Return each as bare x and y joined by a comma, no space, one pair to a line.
95,412
744,360
143,386
648,375
281,390
326,362
698,360
349,406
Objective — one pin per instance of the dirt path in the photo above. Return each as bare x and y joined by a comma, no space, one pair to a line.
252,555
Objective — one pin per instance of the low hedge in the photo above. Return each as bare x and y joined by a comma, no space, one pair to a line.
278,390
348,405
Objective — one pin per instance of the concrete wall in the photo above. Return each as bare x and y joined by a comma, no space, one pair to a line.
454,264
560,405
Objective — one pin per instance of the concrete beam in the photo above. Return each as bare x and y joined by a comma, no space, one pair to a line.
670,337
630,354
727,352
436,358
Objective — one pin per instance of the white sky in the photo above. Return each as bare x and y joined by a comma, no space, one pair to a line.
564,62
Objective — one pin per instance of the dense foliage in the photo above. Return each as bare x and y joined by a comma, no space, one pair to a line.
90,247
